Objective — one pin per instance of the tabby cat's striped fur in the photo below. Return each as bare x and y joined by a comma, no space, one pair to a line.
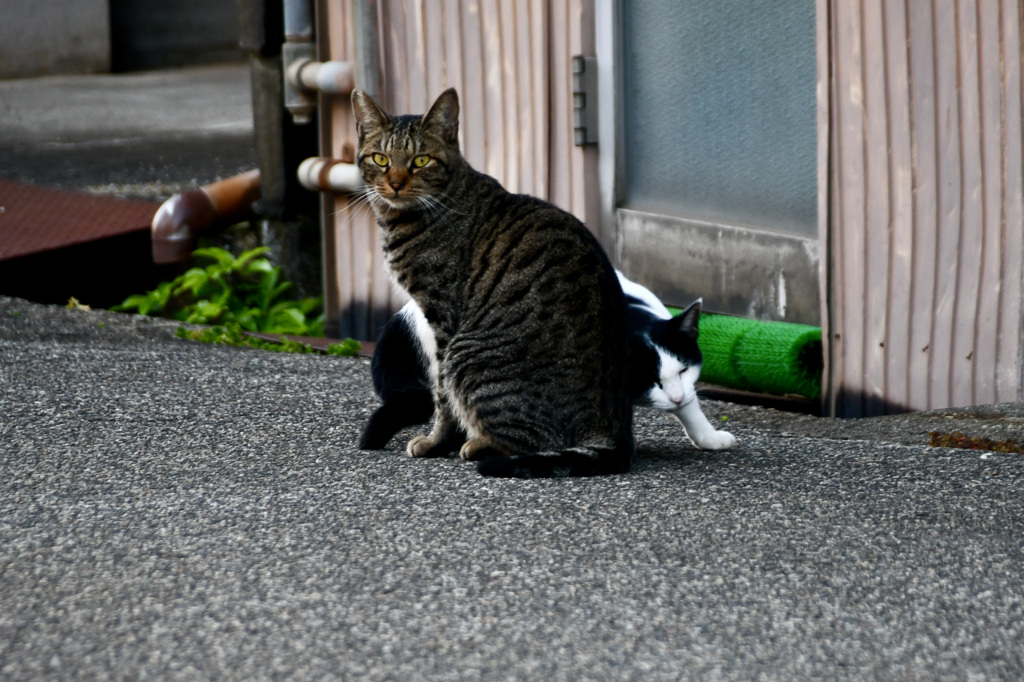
528,316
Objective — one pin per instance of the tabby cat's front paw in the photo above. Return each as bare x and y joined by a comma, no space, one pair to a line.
476,449
425,446
716,440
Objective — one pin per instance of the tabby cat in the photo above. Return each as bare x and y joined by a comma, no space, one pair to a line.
665,364
525,309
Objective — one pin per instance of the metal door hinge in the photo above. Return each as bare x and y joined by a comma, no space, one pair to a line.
584,100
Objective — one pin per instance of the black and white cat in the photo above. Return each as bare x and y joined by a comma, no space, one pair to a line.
665,360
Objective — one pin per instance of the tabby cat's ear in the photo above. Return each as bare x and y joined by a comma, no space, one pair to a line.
444,116
687,321
368,115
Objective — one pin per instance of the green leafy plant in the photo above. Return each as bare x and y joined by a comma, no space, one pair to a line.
242,291
234,336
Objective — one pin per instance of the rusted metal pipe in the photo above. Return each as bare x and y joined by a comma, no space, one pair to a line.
180,220
330,175
298,21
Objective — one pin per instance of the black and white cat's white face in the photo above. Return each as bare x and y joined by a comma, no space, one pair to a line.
675,343
671,360
677,381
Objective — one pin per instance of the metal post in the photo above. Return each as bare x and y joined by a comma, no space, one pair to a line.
367,47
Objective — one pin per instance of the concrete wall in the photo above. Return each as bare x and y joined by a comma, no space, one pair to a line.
43,37
54,36
169,33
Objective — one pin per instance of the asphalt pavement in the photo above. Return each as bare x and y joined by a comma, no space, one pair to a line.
170,509
175,510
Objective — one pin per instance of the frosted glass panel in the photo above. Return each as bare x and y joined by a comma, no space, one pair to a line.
720,111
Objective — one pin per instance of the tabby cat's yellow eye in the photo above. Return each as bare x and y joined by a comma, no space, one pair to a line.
380,159
421,160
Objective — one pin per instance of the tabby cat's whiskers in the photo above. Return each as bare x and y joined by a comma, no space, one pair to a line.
359,201
436,208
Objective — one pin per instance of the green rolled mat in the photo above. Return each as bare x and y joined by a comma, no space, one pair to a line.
780,358
719,338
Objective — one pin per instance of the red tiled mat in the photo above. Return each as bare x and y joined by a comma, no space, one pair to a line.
35,219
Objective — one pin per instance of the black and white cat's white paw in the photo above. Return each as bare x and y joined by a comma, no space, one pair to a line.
700,430
714,440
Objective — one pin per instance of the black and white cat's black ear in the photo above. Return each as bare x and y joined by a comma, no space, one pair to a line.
368,114
444,115
686,322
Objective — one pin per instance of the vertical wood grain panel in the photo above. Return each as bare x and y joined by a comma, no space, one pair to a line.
369,293
539,104
433,35
331,43
1010,355
451,36
965,315
924,214
560,160
379,303
508,97
510,60
519,59
848,307
421,70
416,66
394,93
474,96
925,234
986,337
949,189
349,227
897,350
877,174
494,102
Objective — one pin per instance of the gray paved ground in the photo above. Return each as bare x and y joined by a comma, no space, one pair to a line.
180,511
139,135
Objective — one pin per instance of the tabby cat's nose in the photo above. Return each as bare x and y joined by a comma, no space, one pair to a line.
397,180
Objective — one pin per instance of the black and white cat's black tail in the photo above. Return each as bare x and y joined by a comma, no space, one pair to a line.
598,460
